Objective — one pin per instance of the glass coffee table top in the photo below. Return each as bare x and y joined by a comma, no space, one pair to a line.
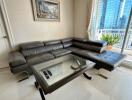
54,73
59,71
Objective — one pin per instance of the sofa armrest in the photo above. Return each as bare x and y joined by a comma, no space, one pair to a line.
16,59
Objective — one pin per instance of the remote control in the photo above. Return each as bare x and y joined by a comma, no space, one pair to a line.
46,75
49,72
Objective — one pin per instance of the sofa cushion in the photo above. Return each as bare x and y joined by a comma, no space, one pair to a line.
83,53
60,52
88,47
33,51
98,43
16,59
67,42
30,45
73,49
83,40
53,45
110,57
52,42
108,60
39,58
78,51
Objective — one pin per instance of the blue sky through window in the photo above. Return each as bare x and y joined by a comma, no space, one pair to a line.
114,14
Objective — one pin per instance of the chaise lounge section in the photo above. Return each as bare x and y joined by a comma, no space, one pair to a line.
36,52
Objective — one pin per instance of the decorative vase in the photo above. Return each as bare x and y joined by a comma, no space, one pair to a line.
109,47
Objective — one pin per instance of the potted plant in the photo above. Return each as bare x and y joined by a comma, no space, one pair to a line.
111,39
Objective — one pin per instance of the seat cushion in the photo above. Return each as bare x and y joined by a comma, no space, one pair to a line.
74,49
113,58
107,59
60,52
82,53
30,45
39,58
90,56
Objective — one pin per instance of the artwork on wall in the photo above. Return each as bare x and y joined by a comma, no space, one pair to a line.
46,10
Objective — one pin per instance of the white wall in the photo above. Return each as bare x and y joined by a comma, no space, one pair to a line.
25,29
82,10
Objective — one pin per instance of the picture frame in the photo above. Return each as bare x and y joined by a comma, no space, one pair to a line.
46,10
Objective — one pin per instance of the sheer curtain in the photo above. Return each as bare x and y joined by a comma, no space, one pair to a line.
92,28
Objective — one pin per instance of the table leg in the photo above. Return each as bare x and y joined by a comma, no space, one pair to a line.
40,90
86,76
24,78
41,94
36,84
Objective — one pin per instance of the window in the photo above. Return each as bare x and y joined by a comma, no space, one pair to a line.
113,14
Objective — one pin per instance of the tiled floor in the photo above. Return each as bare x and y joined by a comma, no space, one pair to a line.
117,87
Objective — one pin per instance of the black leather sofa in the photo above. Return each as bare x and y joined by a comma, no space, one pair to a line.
36,52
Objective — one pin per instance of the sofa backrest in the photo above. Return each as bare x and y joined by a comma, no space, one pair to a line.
53,45
96,46
38,47
30,45
97,43
86,46
67,42
32,48
83,40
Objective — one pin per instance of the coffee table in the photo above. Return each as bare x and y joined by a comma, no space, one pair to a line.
53,74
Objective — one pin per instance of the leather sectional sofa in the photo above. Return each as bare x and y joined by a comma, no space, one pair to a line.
36,52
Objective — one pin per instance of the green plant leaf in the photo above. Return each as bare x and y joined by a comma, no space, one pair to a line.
111,39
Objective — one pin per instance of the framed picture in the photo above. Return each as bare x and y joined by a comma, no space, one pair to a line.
46,10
